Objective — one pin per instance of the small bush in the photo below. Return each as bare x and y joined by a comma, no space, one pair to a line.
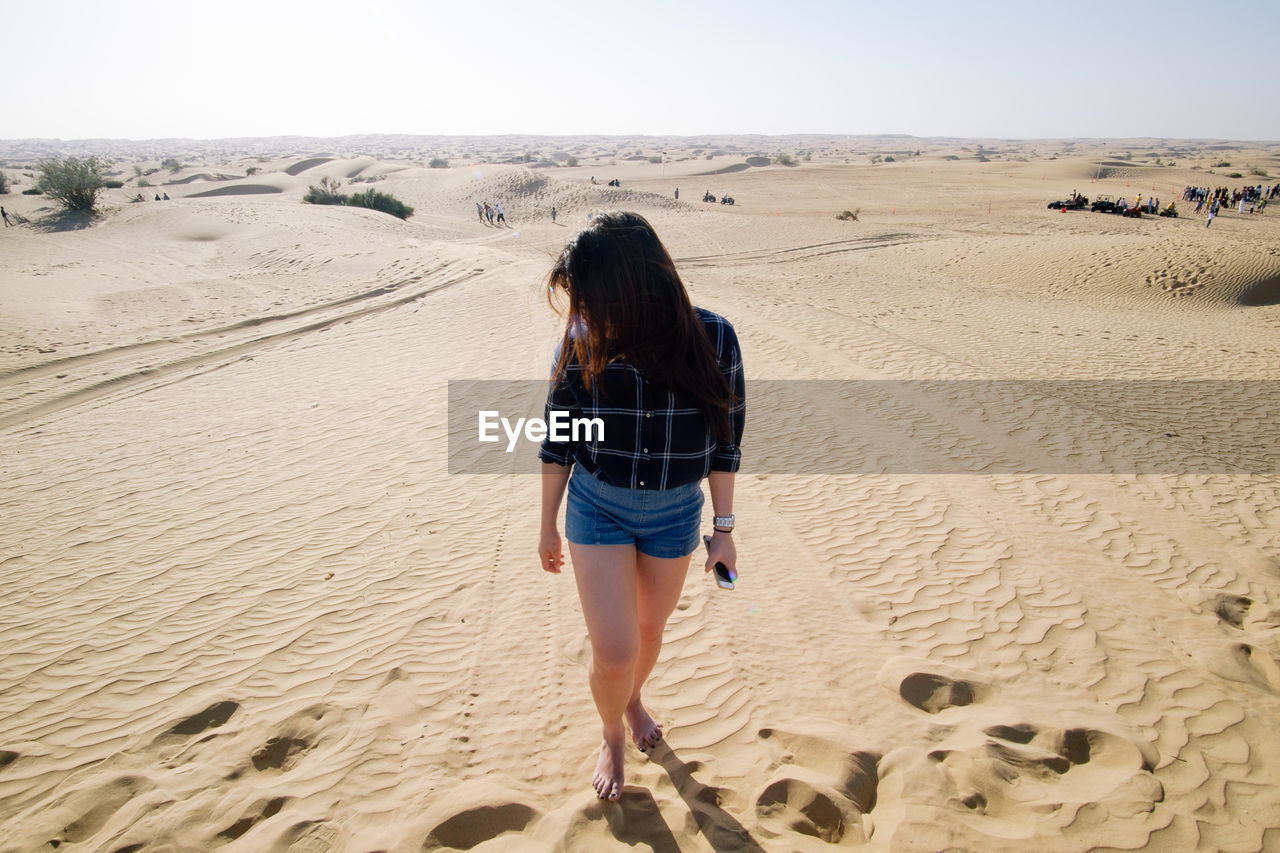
384,202
848,215
251,171
572,161
32,191
889,159
785,160
329,192
438,163
171,164
143,182
1222,164
113,185
655,159
1260,172
1235,175
73,182
4,184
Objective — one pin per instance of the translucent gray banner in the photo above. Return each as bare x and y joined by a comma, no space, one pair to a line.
936,427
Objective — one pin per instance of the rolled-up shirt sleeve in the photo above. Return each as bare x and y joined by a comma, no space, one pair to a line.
728,457
559,399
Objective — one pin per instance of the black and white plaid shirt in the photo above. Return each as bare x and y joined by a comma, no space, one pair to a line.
652,440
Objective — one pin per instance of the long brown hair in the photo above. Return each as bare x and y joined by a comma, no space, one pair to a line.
627,301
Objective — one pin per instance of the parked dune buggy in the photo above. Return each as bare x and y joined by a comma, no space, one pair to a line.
1104,204
1078,202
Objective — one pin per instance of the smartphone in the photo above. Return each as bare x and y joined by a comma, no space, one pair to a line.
725,576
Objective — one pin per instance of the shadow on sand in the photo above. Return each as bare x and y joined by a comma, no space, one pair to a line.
722,830
63,220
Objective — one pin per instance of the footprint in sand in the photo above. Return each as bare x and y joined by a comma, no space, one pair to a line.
254,815
479,824
212,717
822,788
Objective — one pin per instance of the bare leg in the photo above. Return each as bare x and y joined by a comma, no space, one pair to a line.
606,578
658,586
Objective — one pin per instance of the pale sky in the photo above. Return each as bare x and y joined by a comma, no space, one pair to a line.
143,69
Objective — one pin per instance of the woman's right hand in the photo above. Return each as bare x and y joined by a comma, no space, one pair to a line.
549,551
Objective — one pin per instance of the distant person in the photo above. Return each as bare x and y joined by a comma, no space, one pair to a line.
553,215
4,213
480,211
677,193
501,216
157,196
166,197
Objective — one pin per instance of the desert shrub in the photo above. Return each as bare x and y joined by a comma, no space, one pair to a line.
113,184
171,164
32,191
656,158
1235,175
384,202
4,184
143,182
1260,172
572,161
848,215
952,157
251,171
785,160
438,163
329,192
1222,164
889,159
73,182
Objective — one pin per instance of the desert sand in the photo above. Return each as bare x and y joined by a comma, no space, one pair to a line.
247,606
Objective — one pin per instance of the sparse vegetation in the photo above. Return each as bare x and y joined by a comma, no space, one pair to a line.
438,163
656,158
170,163
848,215
1235,175
73,182
889,159
952,157
113,184
1259,171
143,182
384,202
785,160
329,192
251,171
1222,164
4,184
572,161
32,191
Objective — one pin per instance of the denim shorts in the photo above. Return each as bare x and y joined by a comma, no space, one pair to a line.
662,523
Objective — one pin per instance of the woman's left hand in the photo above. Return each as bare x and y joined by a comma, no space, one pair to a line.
722,550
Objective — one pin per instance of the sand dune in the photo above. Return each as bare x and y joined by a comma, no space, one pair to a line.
247,607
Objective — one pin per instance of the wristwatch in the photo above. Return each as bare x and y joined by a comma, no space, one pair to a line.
723,523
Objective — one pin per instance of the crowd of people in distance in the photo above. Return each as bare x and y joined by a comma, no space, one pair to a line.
1219,197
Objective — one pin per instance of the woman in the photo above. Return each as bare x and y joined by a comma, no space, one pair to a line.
665,378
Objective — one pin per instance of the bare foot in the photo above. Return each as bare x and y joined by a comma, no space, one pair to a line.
645,730
608,776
